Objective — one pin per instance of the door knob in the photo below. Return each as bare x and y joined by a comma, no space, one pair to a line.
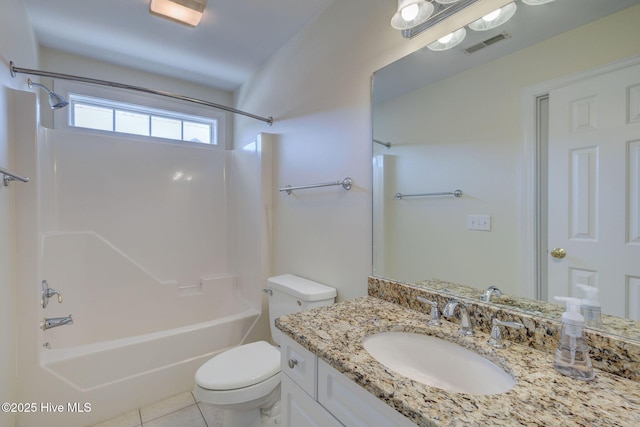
558,253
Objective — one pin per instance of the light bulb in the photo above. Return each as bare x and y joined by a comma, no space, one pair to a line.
446,39
410,12
491,16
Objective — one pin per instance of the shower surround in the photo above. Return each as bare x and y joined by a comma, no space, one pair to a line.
142,240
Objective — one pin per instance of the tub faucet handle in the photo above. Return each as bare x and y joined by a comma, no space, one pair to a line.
47,293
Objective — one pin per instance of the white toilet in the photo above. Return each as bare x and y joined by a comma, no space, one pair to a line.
245,381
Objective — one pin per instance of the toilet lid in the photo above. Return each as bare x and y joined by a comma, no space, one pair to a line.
240,367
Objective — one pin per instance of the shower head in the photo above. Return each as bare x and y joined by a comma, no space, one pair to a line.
55,100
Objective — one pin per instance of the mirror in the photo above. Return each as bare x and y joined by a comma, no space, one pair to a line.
477,122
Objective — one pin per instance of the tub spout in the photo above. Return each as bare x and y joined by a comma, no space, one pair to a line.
53,322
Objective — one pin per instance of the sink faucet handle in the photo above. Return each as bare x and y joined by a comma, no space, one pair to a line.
435,314
495,340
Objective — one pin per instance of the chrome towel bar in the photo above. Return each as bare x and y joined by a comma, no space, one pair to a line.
345,183
457,193
8,177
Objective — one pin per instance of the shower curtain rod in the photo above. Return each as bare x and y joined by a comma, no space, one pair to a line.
14,70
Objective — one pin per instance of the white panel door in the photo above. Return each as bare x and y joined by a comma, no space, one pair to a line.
594,189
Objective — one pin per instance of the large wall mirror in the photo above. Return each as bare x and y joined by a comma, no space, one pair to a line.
540,130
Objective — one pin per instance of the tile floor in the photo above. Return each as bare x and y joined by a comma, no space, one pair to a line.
181,410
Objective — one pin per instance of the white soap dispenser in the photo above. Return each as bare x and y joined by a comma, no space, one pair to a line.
590,307
572,356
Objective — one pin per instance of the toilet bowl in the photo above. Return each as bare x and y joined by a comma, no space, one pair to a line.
245,380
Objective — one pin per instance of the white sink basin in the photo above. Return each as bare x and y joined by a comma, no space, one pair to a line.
438,363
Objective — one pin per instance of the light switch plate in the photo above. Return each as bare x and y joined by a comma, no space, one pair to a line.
479,222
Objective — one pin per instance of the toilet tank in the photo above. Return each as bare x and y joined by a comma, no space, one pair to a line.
290,294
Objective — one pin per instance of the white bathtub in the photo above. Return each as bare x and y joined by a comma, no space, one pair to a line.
164,353
128,323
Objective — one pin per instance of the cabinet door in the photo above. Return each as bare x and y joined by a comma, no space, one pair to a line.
300,364
300,410
353,405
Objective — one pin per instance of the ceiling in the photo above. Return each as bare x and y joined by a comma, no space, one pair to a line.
529,25
234,38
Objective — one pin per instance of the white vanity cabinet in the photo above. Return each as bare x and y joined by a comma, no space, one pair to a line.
316,395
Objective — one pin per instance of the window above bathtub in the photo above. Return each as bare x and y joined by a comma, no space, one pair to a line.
111,110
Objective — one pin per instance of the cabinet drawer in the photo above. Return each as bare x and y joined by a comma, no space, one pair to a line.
299,364
351,404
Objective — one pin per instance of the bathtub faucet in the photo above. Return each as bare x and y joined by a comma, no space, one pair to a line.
47,293
53,322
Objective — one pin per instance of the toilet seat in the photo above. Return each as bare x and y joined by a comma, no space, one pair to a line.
242,374
240,367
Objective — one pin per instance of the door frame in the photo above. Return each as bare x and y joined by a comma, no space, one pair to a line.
529,213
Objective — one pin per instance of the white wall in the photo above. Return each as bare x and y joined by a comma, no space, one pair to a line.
17,43
67,63
317,88
471,140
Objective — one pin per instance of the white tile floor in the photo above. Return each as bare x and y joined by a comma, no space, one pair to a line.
181,410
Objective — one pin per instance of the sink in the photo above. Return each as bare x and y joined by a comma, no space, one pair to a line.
438,363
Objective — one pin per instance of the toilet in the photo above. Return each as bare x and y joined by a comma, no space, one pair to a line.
245,380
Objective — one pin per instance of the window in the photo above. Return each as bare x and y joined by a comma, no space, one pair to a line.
112,116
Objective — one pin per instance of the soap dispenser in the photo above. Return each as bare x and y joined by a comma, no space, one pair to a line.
572,356
590,307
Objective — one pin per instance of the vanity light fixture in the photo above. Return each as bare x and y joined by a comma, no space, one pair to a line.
495,18
536,2
411,13
449,41
188,12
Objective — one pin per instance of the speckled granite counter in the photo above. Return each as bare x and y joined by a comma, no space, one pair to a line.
541,396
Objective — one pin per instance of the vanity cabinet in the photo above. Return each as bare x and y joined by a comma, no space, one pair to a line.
315,394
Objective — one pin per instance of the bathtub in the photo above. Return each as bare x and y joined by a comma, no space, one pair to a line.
102,364
129,324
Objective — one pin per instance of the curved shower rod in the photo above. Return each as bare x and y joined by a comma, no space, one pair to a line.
14,70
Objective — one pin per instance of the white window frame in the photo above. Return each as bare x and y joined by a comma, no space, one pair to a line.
148,103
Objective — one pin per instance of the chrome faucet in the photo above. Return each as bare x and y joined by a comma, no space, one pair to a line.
53,322
47,293
491,290
465,321
435,314
496,334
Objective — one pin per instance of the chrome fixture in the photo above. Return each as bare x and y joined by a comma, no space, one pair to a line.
188,12
55,100
386,145
400,196
465,321
346,184
495,18
435,314
268,291
445,9
440,12
54,322
15,70
496,334
411,13
7,177
491,290
47,293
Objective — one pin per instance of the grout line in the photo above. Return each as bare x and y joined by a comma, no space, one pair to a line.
202,415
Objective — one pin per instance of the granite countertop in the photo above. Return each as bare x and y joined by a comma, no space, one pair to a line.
541,396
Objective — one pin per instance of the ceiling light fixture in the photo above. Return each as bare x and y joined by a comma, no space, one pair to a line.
411,13
449,41
186,12
536,2
495,18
